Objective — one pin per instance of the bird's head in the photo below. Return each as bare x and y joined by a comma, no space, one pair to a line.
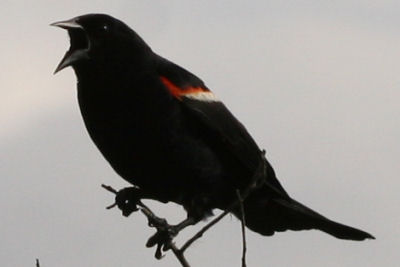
99,38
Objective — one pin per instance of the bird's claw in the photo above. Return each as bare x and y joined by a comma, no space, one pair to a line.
162,238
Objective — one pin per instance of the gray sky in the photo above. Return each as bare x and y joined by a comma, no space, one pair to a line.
315,82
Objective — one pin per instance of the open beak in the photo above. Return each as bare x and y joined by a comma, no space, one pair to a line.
67,24
80,43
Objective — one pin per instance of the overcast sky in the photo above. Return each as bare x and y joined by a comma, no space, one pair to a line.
316,83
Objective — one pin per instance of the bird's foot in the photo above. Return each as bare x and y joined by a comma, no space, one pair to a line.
164,235
127,200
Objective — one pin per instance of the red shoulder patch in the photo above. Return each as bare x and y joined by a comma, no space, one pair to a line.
179,92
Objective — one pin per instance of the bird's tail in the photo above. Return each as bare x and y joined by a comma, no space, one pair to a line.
266,216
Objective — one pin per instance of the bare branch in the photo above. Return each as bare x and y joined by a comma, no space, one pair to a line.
179,255
243,223
258,176
109,188
158,223
161,224
204,229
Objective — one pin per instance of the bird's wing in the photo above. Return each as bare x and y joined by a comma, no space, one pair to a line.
206,110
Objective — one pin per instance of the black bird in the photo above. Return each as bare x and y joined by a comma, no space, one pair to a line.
163,130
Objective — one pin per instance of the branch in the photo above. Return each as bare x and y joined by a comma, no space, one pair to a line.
161,224
179,255
203,230
259,175
243,223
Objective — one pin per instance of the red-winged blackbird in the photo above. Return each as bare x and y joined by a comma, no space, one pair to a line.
164,131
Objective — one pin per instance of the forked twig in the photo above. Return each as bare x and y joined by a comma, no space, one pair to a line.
203,230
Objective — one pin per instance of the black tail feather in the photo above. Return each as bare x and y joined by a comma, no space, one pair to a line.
267,216
343,231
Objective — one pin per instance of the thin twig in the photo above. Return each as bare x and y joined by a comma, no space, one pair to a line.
243,223
112,190
203,230
109,188
37,263
246,192
179,255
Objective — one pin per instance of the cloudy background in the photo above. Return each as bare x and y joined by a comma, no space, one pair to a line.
316,82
